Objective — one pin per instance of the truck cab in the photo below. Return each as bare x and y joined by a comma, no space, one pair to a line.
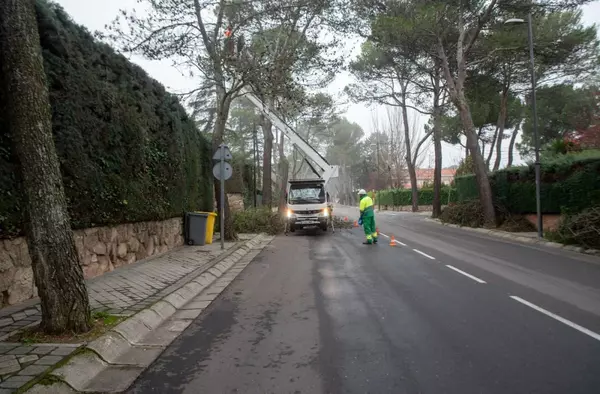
308,204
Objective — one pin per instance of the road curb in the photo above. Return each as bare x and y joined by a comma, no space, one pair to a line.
514,237
112,362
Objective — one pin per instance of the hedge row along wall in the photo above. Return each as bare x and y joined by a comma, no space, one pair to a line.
403,197
568,185
128,151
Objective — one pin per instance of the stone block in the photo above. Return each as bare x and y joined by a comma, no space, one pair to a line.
104,264
100,249
133,245
33,370
141,253
131,258
21,288
122,250
164,309
150,318
115,349
49,360
9,366
175,299
28,359
132,329
90,240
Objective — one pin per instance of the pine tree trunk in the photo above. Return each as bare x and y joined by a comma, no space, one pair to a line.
483,182
437,171
267,127
223,105
501,125
283,175
57,273
511,146
409,162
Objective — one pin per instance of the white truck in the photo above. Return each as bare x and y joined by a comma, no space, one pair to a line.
308,200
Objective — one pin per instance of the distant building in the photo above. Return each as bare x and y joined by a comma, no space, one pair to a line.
425,175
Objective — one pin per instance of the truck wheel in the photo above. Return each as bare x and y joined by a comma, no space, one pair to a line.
324,227
292,228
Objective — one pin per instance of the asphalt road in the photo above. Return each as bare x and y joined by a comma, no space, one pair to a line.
441,311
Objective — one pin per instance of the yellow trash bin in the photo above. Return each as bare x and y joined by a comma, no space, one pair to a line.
210,226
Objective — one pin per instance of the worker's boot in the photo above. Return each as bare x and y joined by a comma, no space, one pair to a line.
374,240
368,242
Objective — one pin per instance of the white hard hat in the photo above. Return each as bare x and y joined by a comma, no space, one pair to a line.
362,192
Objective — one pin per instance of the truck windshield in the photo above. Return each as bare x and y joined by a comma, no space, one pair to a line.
306,194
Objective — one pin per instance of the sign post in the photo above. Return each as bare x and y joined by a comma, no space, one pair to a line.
222,171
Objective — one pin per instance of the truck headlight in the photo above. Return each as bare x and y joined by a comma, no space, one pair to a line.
326,212
289,213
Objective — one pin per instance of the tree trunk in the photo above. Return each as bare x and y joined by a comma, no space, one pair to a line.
267,127
437,149
57,273
491,152
283,175
223,105
483,182
501,125
511,146
409,162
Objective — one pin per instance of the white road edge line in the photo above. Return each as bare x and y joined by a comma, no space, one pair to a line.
569,323
384,235
398,242
424,254
476,279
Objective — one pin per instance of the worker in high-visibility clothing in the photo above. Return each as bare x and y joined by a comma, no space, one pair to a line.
367,217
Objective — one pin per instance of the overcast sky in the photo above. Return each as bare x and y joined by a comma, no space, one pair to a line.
96,14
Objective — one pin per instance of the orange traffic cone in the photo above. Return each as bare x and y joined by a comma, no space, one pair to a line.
356,223
392,241
377,231
345,218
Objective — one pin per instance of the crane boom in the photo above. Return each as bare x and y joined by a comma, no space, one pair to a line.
328,171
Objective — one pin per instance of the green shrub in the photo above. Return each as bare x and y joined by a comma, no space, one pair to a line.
258,220
403,197
569,183
127,149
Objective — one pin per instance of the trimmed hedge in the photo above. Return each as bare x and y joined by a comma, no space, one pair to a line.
570,183
127,148
403,197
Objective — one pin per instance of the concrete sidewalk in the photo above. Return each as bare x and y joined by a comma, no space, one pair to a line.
123,292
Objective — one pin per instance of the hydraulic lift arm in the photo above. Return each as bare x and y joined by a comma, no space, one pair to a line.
328,171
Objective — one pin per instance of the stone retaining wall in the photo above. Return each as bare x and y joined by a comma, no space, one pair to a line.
100,249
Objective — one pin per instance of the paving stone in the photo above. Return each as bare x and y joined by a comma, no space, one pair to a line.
30,312
28,359
7,357
18,316
4,347
6,322
15,382
10,366
21,350
33,370
41,350
19,378
49,360
63,351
